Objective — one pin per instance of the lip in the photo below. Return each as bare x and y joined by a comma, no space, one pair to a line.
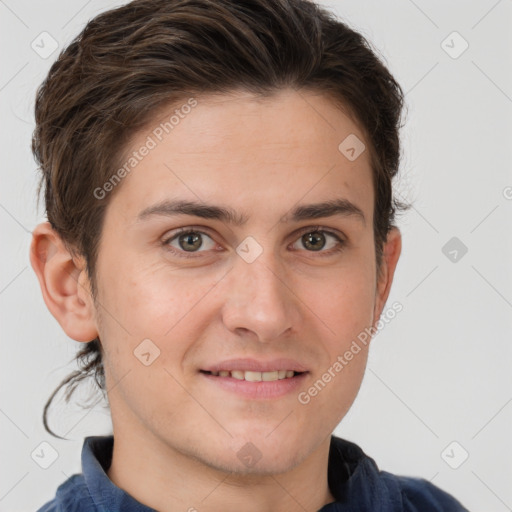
254,365
261,390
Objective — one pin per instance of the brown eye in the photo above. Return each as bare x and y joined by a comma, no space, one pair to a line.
314,241
322,241
189,241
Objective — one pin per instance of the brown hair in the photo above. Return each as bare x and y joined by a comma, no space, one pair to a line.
129,62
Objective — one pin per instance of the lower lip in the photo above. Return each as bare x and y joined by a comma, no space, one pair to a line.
262,389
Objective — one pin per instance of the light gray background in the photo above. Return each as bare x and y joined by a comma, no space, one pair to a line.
438,373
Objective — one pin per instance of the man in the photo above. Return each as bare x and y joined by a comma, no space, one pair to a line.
218,185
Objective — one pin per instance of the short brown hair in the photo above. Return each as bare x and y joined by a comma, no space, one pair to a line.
129,62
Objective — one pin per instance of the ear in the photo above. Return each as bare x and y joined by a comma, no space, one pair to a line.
390,254
64,283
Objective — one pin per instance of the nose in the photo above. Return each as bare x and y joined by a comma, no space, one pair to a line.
260,300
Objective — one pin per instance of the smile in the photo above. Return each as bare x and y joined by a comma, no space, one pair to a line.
255,376
256,385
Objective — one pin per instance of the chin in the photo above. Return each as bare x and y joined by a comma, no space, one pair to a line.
248,451
248,461
267,452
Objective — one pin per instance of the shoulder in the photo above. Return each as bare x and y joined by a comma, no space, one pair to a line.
71,496
420,495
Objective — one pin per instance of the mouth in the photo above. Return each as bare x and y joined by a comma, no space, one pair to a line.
255,385
252,376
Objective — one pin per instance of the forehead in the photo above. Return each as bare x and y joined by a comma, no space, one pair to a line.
248,151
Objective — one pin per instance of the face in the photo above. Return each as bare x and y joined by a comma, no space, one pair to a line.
271,288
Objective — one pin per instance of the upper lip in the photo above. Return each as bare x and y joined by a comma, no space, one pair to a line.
255,365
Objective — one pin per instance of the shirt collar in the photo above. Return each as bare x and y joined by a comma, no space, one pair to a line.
108,497
356,482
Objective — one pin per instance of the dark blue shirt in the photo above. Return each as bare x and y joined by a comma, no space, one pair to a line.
354,479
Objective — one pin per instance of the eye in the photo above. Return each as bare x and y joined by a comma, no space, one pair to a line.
316,239
189,241
186,242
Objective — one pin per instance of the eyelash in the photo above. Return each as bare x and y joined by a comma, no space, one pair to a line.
187,231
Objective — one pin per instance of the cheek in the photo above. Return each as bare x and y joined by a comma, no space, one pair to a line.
345,304
150,312
344,300
150,298
155,303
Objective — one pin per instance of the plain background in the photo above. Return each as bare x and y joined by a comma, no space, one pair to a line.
438,373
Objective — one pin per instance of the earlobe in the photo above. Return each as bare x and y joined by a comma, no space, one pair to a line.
64,284
391,253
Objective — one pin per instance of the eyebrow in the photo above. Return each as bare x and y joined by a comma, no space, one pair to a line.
340,206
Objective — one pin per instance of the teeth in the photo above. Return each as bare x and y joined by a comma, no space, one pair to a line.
269,376
256,376
253,376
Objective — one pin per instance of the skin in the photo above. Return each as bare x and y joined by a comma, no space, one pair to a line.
261,157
